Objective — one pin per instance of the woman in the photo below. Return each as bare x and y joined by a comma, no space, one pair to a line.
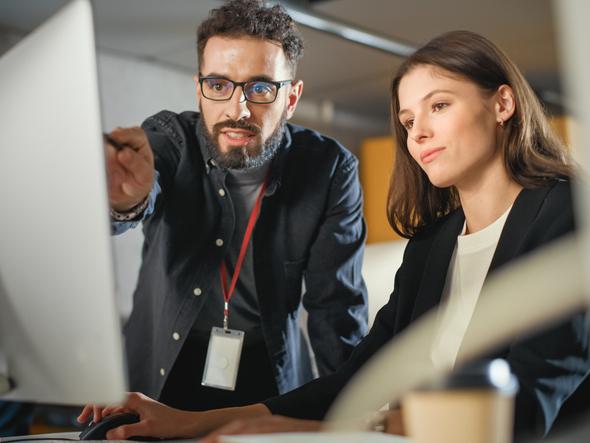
479,180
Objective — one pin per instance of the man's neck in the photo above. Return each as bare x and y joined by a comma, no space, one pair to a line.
248,176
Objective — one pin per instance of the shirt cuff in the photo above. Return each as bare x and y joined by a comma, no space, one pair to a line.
118,227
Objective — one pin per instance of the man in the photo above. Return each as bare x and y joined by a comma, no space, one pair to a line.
237,208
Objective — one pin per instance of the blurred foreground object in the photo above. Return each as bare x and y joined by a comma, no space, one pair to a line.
474,405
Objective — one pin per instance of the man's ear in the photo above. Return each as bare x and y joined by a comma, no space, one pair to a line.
197,86
295,91
505,104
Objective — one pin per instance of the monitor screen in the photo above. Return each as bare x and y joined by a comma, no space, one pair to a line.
60,335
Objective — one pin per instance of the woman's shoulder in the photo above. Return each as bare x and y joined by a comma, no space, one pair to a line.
556,196
560,187
550,209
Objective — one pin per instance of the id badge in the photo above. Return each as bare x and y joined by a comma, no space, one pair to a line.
223,358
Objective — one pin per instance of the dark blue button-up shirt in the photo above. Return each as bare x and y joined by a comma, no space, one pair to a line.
310,230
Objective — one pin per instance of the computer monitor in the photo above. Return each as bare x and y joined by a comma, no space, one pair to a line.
60,332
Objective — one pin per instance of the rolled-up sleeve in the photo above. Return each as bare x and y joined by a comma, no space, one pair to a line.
119,227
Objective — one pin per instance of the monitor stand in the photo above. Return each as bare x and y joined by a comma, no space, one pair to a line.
6,384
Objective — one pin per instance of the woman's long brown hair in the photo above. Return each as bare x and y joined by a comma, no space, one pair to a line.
533,154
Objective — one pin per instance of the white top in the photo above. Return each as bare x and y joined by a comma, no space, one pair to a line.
465,277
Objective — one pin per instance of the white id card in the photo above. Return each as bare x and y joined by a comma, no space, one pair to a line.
223,358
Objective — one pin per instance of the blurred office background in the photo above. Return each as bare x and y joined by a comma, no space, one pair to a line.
147,59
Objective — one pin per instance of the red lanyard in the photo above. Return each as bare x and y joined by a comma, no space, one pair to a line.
227,294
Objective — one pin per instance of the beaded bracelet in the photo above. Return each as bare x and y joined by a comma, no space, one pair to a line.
132,213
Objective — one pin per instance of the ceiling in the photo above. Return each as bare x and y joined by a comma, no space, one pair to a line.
352,78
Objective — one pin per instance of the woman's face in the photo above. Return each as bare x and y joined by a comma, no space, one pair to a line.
452,127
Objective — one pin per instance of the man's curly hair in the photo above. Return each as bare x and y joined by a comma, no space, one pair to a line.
239,18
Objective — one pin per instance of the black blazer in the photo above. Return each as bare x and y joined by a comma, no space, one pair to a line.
549,365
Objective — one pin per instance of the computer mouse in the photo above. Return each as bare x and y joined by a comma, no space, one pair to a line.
98,431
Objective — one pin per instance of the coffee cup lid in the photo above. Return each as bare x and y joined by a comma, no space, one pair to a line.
486,374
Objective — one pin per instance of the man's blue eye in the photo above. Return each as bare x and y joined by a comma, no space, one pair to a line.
261,88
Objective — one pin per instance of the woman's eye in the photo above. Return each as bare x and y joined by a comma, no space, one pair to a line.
439,106
408,124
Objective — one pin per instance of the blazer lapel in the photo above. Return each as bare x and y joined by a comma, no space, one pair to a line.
525,208
510,245
437,264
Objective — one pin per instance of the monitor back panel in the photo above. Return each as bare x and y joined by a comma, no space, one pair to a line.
59,324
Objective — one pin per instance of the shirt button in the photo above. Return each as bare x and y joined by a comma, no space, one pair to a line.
162,372
176,336
219,242
197,291
222,192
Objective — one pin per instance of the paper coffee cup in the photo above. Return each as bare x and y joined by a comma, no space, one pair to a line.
473,405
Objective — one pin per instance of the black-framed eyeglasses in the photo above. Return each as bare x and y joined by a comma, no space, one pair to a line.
255,91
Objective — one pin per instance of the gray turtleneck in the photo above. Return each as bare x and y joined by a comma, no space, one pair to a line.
243,187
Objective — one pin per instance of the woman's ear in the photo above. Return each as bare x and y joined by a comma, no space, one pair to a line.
505,104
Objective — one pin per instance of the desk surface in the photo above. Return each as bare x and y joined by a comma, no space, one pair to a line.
318,437
303,437
61,437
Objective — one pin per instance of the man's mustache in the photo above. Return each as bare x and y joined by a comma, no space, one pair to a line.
236,124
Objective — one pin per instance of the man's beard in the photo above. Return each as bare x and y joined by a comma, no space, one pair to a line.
242,157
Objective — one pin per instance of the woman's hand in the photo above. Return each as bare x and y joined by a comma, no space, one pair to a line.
155,419
159,420
394,423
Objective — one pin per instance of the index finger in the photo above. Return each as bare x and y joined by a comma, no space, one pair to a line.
133,138
111,141
97,413
84,414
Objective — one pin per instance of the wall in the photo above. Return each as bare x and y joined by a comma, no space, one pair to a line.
376,163
132,90
379,267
